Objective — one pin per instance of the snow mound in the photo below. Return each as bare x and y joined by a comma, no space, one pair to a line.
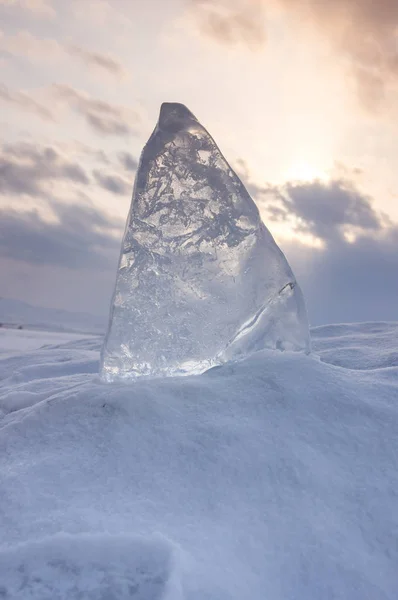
26,379
357,345
275,477
93,567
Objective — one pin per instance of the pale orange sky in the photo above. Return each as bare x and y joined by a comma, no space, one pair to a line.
288,106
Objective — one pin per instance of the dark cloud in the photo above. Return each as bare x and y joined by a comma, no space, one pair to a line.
347,279
26,168
103,117
231,22
331,205
349,282
325,210
96,59
112,183
22,100
128,161
77,236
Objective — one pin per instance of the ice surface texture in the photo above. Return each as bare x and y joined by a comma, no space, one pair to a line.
200,281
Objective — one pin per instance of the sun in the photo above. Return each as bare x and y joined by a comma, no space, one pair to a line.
305,170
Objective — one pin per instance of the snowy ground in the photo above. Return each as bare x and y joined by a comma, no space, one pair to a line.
16,341
272,479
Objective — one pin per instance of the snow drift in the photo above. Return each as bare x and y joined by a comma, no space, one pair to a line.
274,478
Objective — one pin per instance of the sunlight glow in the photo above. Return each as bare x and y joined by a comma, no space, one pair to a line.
350,237
306,170
286,233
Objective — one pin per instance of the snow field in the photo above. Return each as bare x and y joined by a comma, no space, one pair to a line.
270,479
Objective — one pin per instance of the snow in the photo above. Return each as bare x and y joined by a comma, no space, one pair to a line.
200,280
274,478
358,345
16,313
66,566
14,341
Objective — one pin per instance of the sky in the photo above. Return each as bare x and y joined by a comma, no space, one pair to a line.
300,95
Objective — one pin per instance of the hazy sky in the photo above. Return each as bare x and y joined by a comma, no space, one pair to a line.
300,95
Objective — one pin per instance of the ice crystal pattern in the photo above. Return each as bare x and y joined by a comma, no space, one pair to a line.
200,280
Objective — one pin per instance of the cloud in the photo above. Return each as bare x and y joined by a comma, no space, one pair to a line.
346,279
128,161
112,14
344,17
112,183
40,8
26,45
24,101
231,21
101,61
64,249
326,210
349,277
363,31
349,282
26,169
79,237
103,117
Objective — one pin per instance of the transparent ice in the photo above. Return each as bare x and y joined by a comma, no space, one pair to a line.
201,280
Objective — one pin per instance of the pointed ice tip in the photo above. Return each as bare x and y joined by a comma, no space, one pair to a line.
173,116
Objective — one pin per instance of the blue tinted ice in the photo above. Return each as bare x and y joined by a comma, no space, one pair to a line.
201,280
